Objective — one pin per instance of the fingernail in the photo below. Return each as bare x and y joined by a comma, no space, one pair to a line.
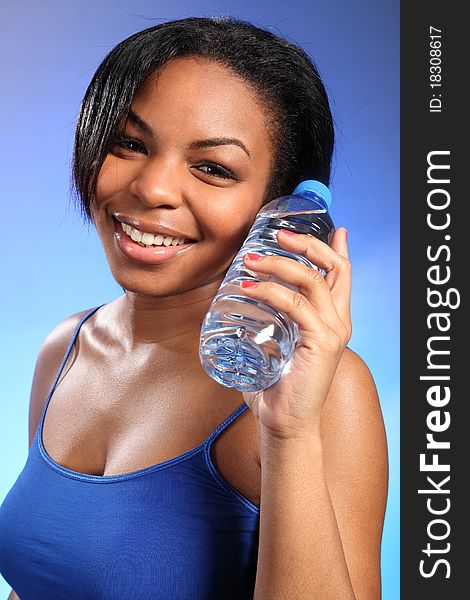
288,232
346,233
249,284
253,256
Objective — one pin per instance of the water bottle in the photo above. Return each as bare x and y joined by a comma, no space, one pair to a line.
245,343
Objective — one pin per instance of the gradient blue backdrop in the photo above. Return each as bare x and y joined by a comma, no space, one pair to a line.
52,267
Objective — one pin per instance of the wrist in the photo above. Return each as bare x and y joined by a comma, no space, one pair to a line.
289,448
288,436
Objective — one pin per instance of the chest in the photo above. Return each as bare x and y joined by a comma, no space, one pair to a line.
109,420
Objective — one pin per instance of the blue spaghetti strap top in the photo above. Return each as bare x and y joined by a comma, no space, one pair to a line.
177,530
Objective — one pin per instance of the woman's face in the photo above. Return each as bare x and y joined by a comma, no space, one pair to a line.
173,173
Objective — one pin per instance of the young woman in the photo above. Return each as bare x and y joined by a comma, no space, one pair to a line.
145,478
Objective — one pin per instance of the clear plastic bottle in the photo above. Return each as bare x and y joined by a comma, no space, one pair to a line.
245,343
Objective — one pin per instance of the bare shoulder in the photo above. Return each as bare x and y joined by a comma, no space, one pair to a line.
353,429
352,401
356,469
49,358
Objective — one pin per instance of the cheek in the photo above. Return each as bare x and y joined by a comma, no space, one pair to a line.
110,180
228,223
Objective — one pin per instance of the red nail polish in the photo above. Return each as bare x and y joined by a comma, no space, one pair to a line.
252,256
249,284
288,232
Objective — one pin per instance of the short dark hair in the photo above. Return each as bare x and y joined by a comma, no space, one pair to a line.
285,78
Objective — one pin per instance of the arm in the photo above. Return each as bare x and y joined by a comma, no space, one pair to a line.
323,499
49,358
322,442
48,361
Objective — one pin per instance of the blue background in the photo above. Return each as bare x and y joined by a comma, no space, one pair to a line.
52,266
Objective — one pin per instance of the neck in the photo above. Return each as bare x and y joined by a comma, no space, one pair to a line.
170,321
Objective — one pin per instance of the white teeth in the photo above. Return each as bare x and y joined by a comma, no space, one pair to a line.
149,239
136,235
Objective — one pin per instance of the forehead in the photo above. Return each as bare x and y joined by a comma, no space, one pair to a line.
200,97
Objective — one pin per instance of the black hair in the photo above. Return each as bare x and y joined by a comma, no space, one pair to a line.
284,77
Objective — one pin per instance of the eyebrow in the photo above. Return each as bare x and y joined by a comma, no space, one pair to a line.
206,143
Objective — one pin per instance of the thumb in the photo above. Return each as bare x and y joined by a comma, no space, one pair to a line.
339,242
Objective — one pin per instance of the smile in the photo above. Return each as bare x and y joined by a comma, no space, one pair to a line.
147,248
149,239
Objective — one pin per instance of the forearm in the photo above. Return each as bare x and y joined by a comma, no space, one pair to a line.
300,554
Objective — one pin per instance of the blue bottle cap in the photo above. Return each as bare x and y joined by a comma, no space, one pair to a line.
317,187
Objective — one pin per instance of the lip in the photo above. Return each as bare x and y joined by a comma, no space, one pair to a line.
149,227
152,255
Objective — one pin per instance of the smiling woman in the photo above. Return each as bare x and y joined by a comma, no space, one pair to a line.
186,130
173,152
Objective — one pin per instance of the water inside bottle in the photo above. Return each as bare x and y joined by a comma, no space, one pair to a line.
245,343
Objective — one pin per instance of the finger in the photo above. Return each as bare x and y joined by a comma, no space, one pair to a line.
312,327
339,243
341,287
317,251
337,267
309,282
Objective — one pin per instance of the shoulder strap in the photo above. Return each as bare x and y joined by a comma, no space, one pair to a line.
69,348
226,422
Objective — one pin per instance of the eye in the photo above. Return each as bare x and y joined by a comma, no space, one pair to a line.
128,143
215,170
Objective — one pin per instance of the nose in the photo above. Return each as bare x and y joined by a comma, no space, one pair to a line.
156,184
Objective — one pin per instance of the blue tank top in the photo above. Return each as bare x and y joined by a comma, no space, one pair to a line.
177,530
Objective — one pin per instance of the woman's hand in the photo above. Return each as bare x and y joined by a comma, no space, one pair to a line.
291,408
